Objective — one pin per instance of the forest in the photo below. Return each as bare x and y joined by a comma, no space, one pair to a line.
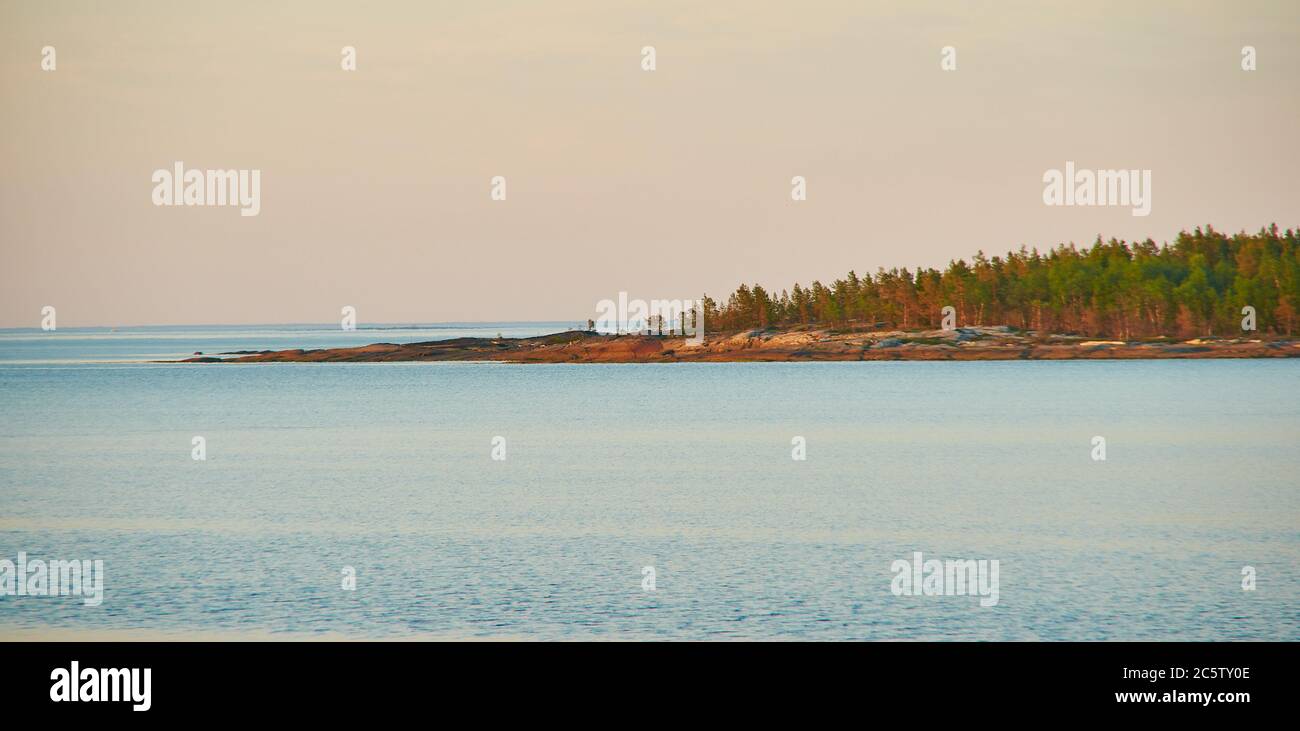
1196,286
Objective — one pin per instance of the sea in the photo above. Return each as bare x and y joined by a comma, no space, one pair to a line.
1118,500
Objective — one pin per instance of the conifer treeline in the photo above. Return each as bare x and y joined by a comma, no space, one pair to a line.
1195,286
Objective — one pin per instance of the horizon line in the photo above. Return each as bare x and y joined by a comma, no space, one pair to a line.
393,325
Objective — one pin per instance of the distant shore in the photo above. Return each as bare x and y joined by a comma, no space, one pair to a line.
773,345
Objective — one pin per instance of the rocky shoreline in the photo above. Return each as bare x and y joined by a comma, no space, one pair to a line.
771,345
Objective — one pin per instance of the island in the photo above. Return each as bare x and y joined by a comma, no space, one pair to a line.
771,344
1205,295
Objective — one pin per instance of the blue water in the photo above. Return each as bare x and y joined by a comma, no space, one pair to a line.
387,468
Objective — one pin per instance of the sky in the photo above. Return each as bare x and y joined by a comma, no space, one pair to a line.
666,184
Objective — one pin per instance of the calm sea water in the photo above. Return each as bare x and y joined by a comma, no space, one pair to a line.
387,468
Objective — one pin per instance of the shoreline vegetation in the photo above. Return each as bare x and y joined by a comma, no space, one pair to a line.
1206,295
773,345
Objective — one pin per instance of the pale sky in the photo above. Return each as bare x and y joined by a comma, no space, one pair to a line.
665,184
